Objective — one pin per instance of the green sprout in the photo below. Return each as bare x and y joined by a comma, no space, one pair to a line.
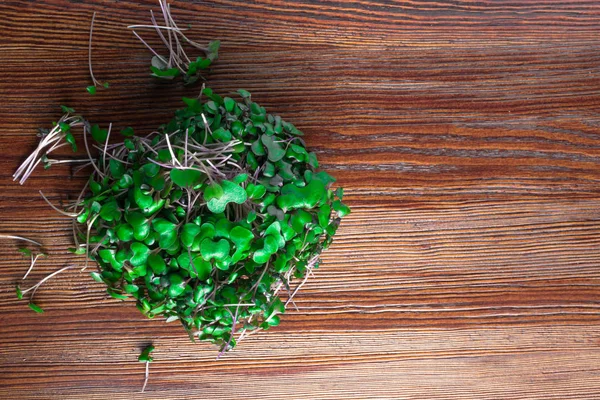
177,63
92,88
146,358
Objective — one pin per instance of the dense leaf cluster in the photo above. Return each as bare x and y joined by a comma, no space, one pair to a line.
210,219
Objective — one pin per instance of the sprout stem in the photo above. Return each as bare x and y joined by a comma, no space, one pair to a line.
4,236
94,81
71,215
33,260
147,375
46,278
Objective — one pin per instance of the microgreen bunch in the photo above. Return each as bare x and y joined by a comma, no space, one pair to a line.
177,63
60,135
209,219
216,219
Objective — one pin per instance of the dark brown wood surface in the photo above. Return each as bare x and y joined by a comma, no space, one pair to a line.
467,136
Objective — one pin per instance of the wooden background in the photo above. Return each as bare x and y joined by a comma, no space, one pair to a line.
466,134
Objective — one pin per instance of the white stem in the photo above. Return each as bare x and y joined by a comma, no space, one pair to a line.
105,146
174,159
149,47
71,215
33,260
155,27
87,241
146,376
46,278
87,148
90,50
2,236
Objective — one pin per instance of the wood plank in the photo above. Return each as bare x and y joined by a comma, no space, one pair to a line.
466,136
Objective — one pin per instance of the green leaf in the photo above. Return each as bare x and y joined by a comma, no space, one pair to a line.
131,288
255,192
299,220
275,151
128,131
193,105
19,292
269,170
237,128
36,308
163,226
222,135
140,254
77,251
167,231
136,219
164,74
69,138
157,263
232,193
91,89
99,134
312,160
240,178
214,250
341,209
110,211
145,356
141,199
257,148
324,215
189,232
223,228
270,247
67,110
229,104
150,169
26,252
213,191
199,268
125,232
117,169
186,177
242,238
309,196
213,50
244,93
116,295
97,277
176,285
108,256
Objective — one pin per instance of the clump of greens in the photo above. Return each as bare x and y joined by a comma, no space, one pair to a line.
215,219
209,219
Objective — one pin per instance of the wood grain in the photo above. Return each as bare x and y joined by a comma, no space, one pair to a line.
466,135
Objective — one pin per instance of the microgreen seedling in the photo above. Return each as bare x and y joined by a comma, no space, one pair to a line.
146,358
27,253
92,88
59,136
177,63
15,237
